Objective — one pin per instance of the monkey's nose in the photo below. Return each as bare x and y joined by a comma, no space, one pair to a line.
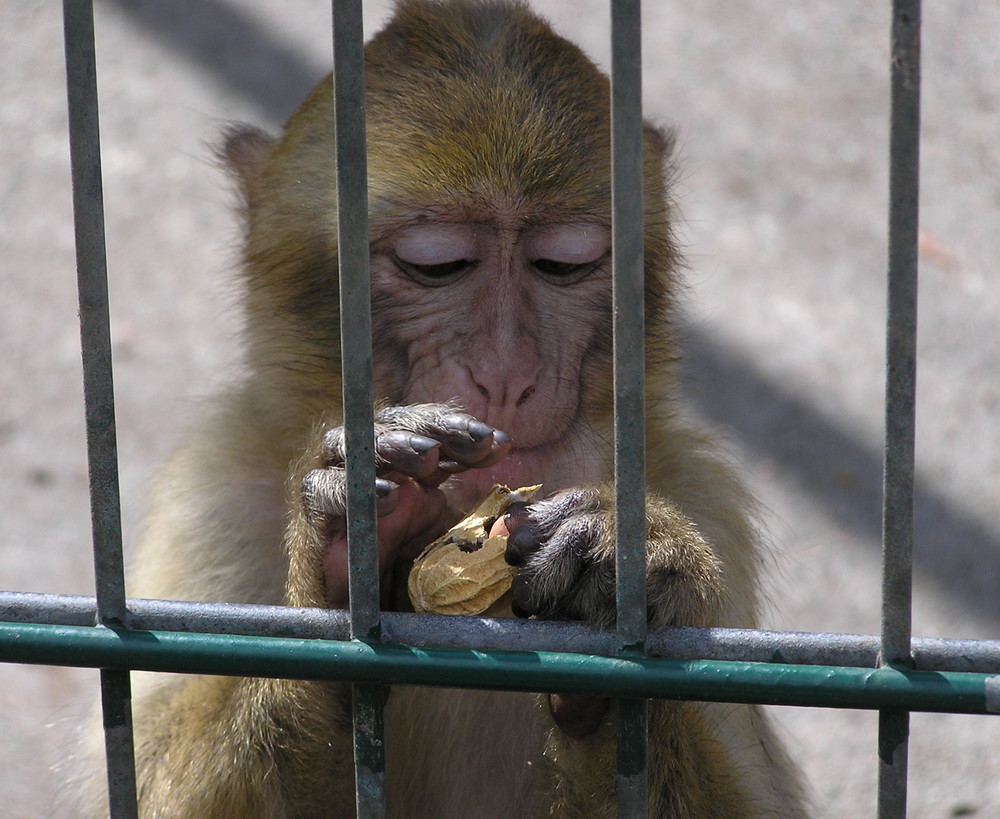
504,389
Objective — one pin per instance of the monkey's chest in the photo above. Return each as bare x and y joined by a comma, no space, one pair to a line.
457,753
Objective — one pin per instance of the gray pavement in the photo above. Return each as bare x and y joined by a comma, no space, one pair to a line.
782,115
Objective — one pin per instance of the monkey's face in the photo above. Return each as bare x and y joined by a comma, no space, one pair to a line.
488,161
507,319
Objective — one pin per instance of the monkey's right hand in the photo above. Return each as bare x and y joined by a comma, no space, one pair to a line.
417,448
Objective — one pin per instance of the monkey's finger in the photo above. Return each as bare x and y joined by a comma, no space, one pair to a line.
560,573
415,421
386,497
333,447
543,584
502,445
444,470
500,449
464,439
466,443
325,492
407,453
524,603
550,591
522,537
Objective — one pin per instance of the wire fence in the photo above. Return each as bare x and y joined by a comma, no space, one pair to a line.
890,672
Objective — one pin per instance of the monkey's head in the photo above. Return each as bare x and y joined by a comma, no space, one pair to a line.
489,191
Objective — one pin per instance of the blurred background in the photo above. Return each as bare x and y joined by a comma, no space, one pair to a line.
782,116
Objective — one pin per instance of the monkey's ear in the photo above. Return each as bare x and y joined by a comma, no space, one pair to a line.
246,151
660,140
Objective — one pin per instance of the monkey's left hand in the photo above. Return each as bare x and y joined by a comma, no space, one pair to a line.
564,548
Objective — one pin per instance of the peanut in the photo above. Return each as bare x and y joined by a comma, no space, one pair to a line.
464,571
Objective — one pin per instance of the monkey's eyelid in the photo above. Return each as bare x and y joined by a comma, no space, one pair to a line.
438,271
551,267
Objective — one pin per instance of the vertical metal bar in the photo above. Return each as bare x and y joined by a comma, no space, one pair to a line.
900,402
632,757
116,706
369,750
629,324
95,331
98,387
356,351
355,311
629,378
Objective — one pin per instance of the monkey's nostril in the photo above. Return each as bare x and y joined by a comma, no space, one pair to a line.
525,395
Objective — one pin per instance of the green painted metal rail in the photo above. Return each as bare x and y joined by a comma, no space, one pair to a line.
356,661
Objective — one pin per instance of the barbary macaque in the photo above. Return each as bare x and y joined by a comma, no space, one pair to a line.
489,185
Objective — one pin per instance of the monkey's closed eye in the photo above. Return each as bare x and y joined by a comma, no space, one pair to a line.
562,270
442,270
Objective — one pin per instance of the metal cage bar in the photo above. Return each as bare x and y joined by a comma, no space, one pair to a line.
629,387
356,354
892,672
504,669
98,387
900,394
423,630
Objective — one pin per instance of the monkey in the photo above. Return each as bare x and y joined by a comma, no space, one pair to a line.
488,140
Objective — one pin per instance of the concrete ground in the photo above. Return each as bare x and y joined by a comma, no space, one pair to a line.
781,111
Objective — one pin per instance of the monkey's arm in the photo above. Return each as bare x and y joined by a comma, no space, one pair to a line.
231,747
567,557
225,746
701,569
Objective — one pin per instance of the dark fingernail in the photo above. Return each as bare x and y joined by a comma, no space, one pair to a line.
478,430
452,467
384,488
500,437
421,444
515,516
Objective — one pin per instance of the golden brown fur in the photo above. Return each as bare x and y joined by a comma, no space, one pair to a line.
488,137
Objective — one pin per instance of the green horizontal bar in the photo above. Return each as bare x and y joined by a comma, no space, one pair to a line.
356,661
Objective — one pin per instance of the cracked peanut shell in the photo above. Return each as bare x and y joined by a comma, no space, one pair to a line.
464,571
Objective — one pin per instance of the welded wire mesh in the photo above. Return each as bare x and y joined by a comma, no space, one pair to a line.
891,672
